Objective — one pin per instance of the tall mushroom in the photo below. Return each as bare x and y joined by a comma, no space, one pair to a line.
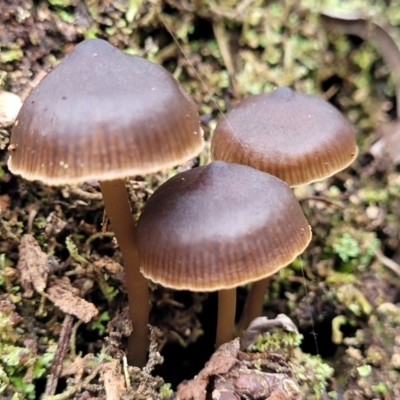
216,227
105,115
297,137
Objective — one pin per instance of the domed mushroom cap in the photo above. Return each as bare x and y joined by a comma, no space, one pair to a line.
219,226
103,114
297,137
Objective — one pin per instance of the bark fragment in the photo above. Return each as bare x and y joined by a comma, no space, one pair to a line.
32,265
64,296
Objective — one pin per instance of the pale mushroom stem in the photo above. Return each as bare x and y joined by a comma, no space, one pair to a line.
254,304
117,205
226,316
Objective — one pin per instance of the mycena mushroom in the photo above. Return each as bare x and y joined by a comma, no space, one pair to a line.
297,137
105,115
217,227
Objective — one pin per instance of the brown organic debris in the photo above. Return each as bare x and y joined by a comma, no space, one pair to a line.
64,296
56,365
54,225
5,202
76,368
10,104
112,377
32,265
234,376
389,144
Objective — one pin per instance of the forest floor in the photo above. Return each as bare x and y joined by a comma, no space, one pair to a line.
343,293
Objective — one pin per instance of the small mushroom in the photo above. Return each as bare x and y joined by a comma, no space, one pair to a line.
103,114
219,226
299,138
295,136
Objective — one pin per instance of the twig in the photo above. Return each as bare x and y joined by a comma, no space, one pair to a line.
56,365
224,48
69,392
96,196
72,345
108,291
126,373
387,262
323,199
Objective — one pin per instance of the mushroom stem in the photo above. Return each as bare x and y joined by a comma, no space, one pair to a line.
118,209
254,304
226,316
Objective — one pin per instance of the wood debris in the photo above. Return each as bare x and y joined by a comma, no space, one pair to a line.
76,368
32,265
108,265
65,297
113,380
233,375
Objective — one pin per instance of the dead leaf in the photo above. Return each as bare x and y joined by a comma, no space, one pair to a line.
112,377
32,265
64,296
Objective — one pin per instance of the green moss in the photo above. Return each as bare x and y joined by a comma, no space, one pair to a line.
8,56
354,248
166,391
364,371
346,247
16,361
275,341
381,387
100,324
354,300
311,372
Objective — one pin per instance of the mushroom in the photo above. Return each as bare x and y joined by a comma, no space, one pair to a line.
103,114
297,137
219,226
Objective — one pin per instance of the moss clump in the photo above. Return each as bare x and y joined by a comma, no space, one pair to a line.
20,363
311,373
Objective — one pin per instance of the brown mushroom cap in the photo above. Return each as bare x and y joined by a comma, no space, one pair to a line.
103,114
219,226
297,137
